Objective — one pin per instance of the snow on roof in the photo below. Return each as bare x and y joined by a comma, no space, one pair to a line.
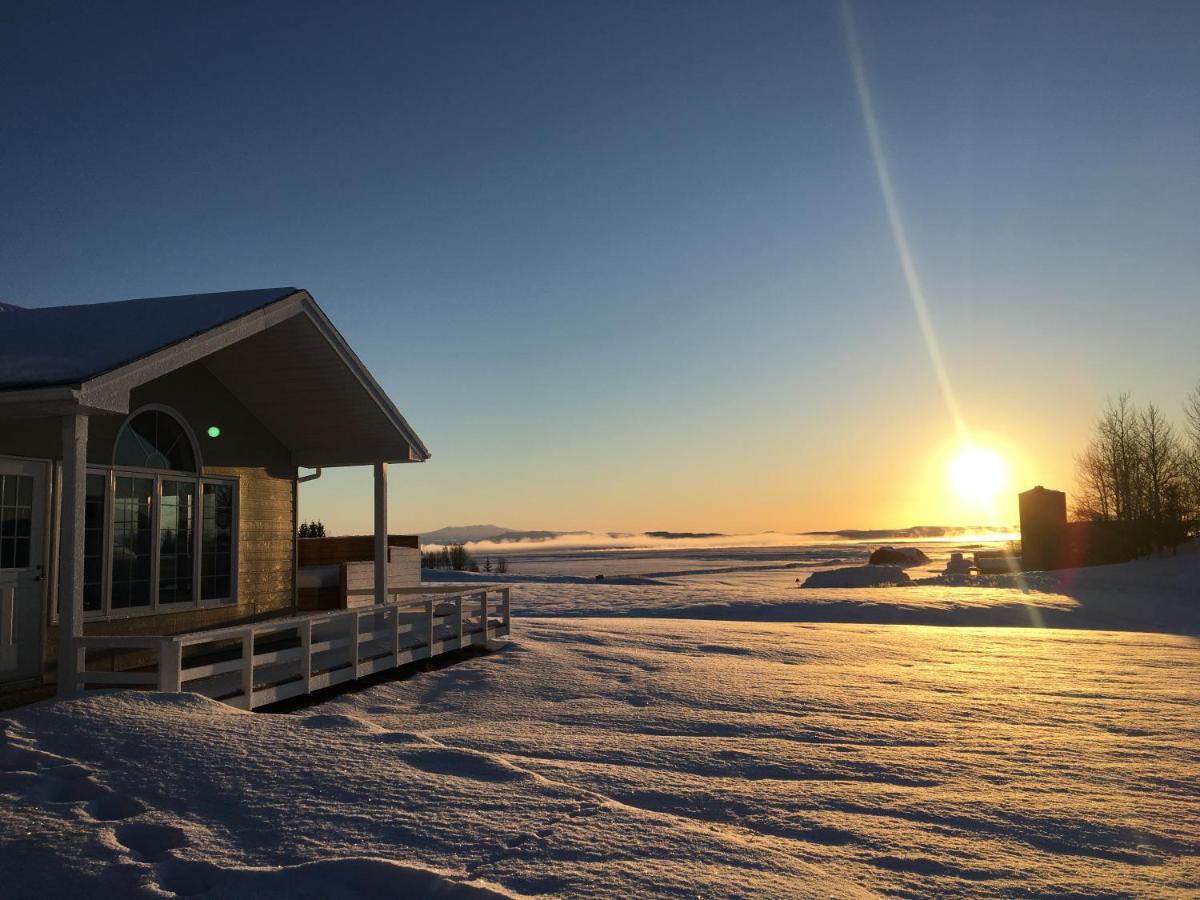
67,345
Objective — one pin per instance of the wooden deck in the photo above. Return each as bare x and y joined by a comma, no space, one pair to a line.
264,662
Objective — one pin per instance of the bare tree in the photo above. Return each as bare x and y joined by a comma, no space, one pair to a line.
1094,490
1138,470
1110,467
1191,461
1161,467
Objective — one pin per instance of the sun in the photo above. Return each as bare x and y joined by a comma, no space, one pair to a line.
977,473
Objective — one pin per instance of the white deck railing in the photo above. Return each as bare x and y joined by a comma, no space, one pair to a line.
264,662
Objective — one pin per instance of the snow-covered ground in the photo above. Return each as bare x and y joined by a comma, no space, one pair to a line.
635,757
1147,595
715,733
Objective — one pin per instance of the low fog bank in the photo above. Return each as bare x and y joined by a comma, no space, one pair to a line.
601,541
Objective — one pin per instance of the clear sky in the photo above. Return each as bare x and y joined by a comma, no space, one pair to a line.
628,266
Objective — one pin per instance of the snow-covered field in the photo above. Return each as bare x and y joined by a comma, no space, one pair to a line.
698,737
1147,595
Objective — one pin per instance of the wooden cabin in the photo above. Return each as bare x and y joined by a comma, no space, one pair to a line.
150,461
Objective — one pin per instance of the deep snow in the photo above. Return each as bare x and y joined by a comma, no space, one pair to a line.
643,758
666,749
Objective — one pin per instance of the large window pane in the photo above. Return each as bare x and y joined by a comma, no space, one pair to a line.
132,542
216,553
176,562
93,544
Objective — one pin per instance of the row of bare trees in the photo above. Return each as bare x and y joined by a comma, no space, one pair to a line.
1139,467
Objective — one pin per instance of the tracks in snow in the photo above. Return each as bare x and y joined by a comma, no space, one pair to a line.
71,788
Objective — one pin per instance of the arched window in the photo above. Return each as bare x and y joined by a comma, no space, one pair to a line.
155,439
159,534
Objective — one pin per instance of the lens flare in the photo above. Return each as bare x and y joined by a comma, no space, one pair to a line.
908,265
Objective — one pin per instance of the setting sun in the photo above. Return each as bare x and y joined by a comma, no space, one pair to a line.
977,473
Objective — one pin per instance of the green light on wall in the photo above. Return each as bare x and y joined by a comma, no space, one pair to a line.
214,431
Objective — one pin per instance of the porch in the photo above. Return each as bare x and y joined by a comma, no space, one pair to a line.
256,664
151,453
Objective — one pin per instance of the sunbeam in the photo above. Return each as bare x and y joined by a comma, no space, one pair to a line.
913,281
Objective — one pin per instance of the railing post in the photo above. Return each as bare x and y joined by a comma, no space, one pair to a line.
354,625
395,635
459,603
483,615
305,630
170,665
248,667
506,604
429,625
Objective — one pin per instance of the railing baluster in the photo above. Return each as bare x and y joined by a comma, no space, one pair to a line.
429,626
248,667
306,654
170,665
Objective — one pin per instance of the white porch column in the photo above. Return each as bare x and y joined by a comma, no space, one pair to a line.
381,532
70,542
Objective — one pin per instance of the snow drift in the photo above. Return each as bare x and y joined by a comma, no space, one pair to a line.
639,758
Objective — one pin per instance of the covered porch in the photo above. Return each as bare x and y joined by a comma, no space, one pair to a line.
198,410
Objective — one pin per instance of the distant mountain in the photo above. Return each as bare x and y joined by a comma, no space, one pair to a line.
469,534
531,535
462,534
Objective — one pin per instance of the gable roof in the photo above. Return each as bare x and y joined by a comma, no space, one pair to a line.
68,345
275,348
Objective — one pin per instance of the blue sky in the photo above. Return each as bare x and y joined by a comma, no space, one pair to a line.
627,265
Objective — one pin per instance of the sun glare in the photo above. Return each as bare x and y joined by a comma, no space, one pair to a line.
977,473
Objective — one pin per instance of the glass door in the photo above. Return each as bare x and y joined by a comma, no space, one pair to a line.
22,567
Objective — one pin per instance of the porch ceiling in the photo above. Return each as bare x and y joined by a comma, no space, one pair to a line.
315,396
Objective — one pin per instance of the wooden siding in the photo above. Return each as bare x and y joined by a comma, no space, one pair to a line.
358,578
266,540
355,581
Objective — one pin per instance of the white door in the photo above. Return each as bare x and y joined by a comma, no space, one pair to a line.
22,572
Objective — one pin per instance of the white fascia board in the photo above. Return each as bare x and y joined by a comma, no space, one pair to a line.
418,452
120,381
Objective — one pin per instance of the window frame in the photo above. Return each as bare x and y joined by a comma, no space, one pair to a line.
179,420
111,473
